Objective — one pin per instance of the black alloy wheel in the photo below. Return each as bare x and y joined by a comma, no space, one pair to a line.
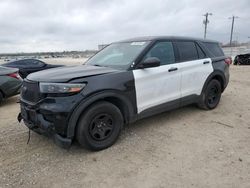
99,126
213,95
210,97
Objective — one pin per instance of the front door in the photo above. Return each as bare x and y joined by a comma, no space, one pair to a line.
158,85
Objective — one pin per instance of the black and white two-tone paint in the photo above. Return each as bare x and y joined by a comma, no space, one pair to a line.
124,82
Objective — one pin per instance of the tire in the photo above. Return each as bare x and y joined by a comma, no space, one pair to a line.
210,98
99,126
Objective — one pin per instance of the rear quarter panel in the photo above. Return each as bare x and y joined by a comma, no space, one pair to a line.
219,65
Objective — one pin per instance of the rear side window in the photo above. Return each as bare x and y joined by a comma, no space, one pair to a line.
187,51
201,54
163,51
214,48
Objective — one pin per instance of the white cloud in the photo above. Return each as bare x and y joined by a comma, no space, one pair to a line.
51,25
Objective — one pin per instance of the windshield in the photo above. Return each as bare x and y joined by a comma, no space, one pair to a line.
118,55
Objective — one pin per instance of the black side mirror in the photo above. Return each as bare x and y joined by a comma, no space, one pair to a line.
150,62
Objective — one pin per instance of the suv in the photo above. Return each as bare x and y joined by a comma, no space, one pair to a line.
124,82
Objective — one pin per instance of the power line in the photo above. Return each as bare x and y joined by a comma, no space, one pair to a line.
205,22
232,28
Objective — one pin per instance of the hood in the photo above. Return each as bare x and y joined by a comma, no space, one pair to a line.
65,74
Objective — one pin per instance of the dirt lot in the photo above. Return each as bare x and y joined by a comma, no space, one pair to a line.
187,147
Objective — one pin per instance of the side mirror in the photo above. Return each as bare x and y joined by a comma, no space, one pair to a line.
149,63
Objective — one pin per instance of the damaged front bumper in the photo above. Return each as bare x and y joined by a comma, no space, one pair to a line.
39,123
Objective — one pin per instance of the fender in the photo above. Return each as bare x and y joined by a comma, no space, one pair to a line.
215,73
86,102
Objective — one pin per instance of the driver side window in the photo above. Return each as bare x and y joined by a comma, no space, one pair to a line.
164,51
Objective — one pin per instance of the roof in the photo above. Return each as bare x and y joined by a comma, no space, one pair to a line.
153,38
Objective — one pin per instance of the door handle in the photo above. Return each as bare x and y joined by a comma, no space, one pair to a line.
206,62
172,69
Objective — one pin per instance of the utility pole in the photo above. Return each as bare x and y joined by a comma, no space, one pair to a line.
205,22
232,28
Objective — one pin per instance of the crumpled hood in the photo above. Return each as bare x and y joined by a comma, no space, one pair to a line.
65,74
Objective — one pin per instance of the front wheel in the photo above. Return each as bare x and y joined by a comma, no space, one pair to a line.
100,126
211,96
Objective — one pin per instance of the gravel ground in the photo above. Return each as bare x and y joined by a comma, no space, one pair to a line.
187,147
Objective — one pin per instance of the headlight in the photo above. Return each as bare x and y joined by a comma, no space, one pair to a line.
61,87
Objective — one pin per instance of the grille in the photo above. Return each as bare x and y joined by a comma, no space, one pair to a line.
30,91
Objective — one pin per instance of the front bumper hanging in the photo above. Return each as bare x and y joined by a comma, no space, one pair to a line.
39,125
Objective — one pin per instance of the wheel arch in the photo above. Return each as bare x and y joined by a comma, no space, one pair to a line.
217,75
114,97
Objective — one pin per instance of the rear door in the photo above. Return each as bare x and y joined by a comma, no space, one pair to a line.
158,85
194,66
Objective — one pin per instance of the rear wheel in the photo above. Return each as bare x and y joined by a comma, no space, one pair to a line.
100,126
211,96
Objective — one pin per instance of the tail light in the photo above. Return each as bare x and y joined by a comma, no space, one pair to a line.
228,61
15,75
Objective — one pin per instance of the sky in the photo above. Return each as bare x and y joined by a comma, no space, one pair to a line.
59,25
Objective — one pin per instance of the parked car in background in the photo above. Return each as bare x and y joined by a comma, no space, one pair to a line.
27,66
242,59
10,82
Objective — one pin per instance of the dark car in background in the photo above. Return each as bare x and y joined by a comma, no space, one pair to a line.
242,59
10,82
27,66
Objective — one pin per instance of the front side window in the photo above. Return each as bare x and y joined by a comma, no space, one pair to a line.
118,55
187,51
164,51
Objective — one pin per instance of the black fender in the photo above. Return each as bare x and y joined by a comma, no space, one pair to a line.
129,112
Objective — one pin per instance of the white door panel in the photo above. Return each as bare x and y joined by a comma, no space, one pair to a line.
193,76
155,86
